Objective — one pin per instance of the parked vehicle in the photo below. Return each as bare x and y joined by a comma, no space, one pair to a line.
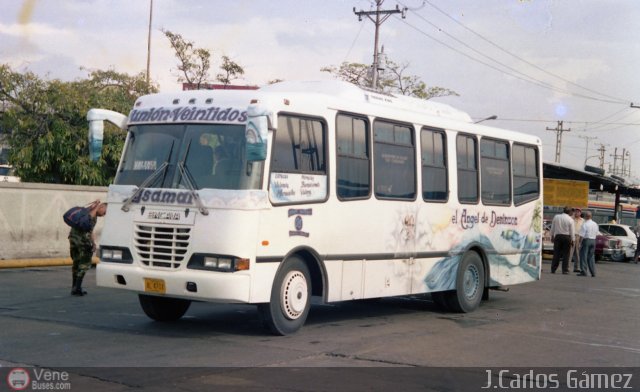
7,174
608,248
625,234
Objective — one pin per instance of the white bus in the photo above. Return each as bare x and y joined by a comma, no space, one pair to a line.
304,189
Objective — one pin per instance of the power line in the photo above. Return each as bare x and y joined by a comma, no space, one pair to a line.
566,121
619,100
527,79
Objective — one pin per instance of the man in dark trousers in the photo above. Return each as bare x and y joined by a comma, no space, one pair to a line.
563,235
82,246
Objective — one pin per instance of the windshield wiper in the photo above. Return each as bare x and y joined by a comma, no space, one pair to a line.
189,181
149,180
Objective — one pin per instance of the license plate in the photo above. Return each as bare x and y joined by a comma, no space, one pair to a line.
154,286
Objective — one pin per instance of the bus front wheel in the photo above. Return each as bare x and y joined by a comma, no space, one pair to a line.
469,284
290,298
163,308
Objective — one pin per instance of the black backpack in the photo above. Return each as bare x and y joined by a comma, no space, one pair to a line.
78,218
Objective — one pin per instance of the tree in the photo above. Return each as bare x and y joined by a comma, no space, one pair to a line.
230,71
194,63
47,126
392,80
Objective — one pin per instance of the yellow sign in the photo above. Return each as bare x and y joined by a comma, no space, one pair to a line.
560,193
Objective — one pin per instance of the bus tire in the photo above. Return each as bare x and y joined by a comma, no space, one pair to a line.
290,298
163,308
469,284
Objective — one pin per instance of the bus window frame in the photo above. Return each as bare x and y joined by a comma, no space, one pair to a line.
369,135
538,174
447,163
415,158
509,169
327,162
477,171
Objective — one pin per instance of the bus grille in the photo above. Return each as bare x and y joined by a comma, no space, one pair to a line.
162,246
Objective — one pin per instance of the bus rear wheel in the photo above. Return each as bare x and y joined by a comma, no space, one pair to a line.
290,298
469,284
163,308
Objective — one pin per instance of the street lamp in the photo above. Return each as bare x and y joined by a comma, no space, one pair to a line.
485,119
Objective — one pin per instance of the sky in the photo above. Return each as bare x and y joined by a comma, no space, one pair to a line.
531,63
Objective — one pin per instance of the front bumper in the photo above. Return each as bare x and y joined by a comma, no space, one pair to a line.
211,286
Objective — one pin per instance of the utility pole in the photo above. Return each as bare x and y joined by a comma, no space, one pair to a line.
149,43
601,150
625,153
616,171
378,21
586,150
559,131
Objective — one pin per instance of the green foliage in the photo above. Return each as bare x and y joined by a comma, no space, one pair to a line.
392,80
47,127
230,71
194,63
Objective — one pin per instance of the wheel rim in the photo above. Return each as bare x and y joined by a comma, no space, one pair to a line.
471,281
294,295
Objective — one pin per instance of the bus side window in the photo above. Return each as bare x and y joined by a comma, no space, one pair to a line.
434,165
496,178
467,151
298,163
526,179
394,161
353,159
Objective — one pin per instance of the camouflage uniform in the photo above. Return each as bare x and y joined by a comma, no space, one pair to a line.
81,249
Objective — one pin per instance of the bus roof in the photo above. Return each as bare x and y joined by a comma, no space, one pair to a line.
311,96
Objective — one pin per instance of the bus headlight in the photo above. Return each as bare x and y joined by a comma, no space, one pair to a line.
218,263
115,255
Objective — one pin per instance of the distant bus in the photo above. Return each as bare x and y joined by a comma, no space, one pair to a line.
296,190
603,211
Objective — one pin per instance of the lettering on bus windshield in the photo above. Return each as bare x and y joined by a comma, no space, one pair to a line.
169,197
468,220
186,113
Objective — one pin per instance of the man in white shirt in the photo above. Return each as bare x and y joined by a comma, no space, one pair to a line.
562,233
588,233
575,250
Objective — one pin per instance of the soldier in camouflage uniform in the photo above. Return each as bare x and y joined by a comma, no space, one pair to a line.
82,246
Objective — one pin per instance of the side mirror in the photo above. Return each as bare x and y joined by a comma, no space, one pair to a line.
96,134
96,118
256,134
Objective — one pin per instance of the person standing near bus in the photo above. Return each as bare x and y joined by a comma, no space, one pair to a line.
636,231
575,250
588,234
563,236
82,245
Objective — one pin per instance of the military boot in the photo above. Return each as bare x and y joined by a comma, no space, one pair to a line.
77,288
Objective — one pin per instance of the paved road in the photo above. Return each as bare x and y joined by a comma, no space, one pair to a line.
560,321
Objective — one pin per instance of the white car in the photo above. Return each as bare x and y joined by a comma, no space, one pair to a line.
626,235
7,175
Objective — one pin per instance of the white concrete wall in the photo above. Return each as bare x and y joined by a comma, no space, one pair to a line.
31,224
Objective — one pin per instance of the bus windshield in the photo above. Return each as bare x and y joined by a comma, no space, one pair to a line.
212,155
